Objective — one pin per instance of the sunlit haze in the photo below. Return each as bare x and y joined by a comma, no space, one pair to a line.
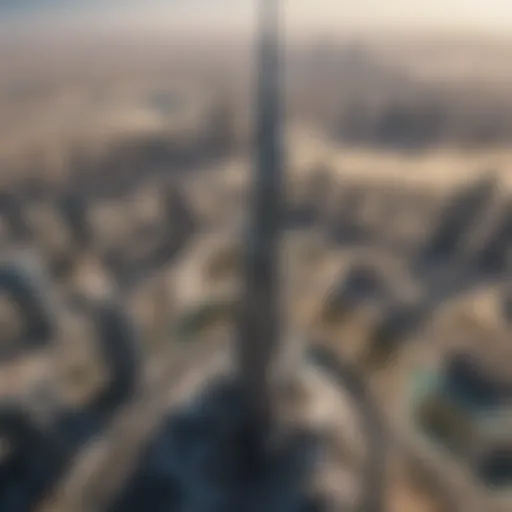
488,16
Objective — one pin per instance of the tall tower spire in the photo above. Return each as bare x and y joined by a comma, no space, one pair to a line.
258,334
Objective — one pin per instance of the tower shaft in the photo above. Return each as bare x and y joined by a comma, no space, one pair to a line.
259,329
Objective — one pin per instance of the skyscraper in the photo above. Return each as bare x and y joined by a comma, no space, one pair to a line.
260,317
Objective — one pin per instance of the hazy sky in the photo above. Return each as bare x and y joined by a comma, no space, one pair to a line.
465,15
